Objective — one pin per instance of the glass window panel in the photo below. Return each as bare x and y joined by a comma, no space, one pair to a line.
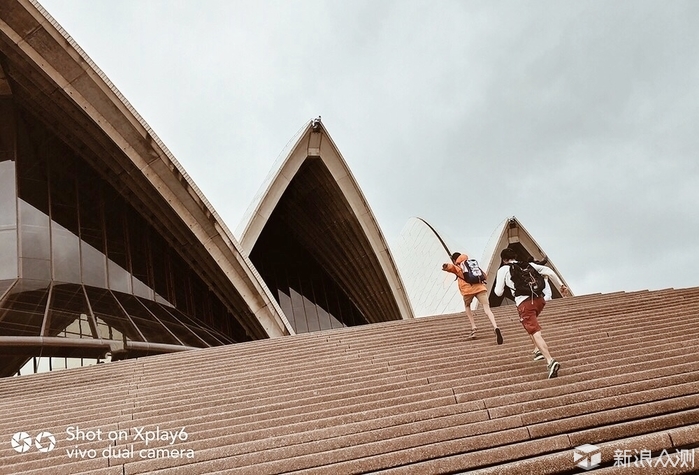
215,339
31,163
202,305
8,254
109,329
79,362
118,265
154,332
205,335
42,365
29,215
309,308
23,308
66,254
4,285
35,194
329,293
161,271
162,301
183,318
311,312
119,278
181,282
45,364
90,210
285,303
63,170
325,319
68,310
298,311
182,332
142,290
78,328
7,128
152,329
35,269
140,256
34,232
307,294
8,195
58,363
227,322
112,322
35,242
93,266
195,326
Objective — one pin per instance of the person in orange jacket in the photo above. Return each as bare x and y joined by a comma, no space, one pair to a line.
469,291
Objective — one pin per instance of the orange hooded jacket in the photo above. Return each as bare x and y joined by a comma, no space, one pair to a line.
464,287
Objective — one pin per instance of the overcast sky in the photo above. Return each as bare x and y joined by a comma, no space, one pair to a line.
580,118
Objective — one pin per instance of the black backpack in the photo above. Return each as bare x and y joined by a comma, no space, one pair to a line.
527,280
473,274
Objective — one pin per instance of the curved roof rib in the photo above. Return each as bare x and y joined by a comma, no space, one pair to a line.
58,82
312,190
511,233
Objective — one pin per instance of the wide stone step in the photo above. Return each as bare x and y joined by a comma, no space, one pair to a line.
397,397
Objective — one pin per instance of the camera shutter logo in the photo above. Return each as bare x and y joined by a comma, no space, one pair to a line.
45,441
588,456
21,442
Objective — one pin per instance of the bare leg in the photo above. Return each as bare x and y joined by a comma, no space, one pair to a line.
534,343
483,300
541,344
469,313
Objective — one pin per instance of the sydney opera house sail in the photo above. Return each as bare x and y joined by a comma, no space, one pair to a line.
421,250
510,233
106,245
420,253
316,243
108,249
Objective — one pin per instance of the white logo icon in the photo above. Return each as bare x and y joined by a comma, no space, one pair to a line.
21,442
588,456
45,441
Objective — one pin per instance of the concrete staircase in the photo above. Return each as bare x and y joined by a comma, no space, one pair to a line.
408,397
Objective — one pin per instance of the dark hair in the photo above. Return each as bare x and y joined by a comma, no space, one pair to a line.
508,254
455,256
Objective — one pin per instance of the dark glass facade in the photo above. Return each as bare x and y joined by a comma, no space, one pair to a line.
310,298
77,261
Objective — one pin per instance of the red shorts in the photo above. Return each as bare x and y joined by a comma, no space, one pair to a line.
528,311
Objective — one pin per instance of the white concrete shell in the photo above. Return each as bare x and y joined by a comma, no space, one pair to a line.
421,250
420,253
60,83
348,239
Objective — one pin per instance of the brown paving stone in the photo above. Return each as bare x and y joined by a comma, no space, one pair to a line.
685,436
491,457
368,401
612,416
672,422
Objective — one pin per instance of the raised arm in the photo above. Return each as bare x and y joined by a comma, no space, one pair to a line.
500,278
548,272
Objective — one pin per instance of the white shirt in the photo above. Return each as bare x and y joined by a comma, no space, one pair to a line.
504,278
